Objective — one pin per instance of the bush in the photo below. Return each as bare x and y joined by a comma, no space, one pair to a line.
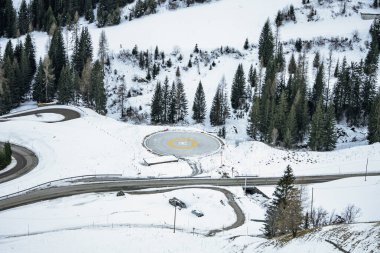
5,156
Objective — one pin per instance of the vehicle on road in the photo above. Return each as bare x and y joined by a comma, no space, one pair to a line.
197,213
176,202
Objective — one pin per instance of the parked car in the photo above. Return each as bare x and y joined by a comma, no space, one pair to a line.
197,213
176,202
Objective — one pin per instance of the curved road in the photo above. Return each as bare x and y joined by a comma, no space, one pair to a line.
67,113
26,161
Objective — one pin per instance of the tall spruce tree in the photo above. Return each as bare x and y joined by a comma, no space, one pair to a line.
23,18
280,200
98,90
199,105
374,121
266,44
317,129
254,119
57,54
166,99
318,88
181,101
238,90
65,86
156,107
220,110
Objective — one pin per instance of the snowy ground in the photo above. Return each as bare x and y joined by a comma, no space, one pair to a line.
95,144
100,145
149,218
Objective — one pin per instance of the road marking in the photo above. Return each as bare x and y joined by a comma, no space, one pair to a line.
182,143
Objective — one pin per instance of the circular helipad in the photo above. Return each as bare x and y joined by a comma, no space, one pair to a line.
182,144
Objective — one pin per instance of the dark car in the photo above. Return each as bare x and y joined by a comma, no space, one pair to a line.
197,213
176,202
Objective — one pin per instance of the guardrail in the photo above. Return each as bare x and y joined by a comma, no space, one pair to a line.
54,181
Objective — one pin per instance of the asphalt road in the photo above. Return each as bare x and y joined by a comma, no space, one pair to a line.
117,184
26,161
67,113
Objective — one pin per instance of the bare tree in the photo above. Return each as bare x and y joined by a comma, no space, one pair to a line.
103,47
351,213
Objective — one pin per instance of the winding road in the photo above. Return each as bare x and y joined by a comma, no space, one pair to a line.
68,114
27,160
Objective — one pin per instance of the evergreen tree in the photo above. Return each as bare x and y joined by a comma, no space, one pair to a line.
318,88
238,95
103,48
292,65
98,90
38,87
374,122
5,96
220,110
291,128
85,85
156,108
330,137
317,129
281,198
166,100
281,116
30,52
252,77
316,60
89,12
353,113
9,21
246,44
65,87
57,54
109,12
23,18
199,105
266,44
173,103
298,45
181,101
254,119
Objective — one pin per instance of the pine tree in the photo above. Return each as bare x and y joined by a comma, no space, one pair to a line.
220,110
23,18
246,44
298,45
38,87
238,95
252,77
65,87
316,60
292,65
254,119
5,96
57,54
31,52
166,99
318,88
181,101
199,105
281,116
156,108
330,137
89,12
172,105
98,90
266,44
281,199
291,129
374,122
317,128
9,22
103,48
